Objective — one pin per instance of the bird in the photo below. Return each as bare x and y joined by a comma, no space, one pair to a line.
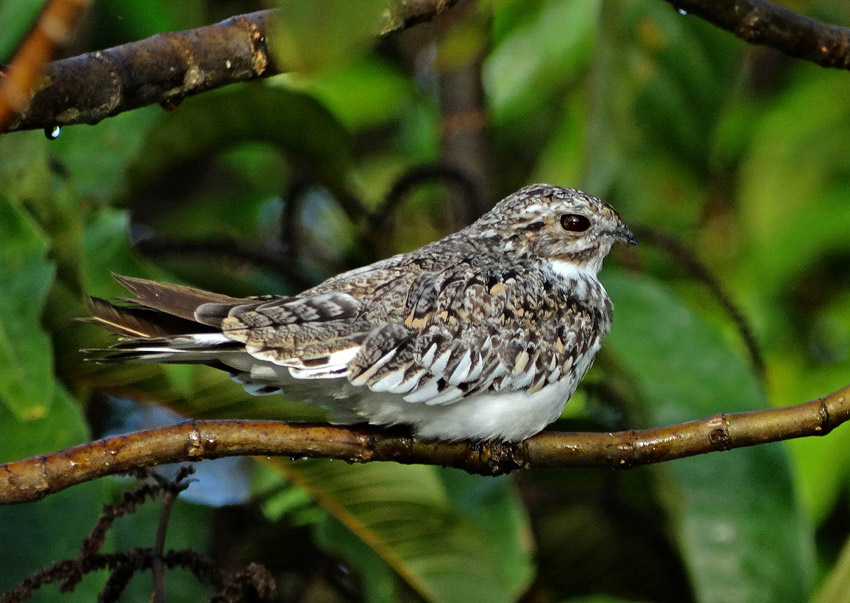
481,336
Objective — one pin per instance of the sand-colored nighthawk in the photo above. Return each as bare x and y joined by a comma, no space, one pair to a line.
481,335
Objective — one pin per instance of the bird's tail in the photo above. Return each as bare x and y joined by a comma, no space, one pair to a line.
164,323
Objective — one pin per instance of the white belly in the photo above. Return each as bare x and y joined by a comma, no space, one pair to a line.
509,415
505,415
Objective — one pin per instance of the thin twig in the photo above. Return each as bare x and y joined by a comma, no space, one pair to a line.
171,490
94,542
123,565
35,477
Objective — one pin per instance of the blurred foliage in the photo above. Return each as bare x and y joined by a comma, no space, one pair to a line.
739,152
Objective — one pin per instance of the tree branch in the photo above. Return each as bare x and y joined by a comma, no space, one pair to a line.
762,22
55,25
35,477
163,69
168,67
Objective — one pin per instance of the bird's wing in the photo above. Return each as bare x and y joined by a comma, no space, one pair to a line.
447,335
464,333
315,336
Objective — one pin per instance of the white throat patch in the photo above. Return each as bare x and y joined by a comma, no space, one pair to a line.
569,271
577,279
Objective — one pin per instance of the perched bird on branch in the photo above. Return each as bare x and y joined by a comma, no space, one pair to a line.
482,335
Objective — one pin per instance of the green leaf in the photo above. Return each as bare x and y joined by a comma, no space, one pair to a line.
380,584
17,16
494,505
32,179
297,124
312,35
96,158
725,506
388,95
792,217
837,583
529,65
26,382
660,83
404,515
39,533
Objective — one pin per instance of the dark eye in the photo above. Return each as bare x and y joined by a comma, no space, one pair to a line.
574,222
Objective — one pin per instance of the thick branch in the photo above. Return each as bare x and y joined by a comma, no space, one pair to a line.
56,23
168,67
35,477
164,69
762,22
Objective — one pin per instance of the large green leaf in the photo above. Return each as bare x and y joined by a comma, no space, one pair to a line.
389,95
409,520
33,180
17,16
794,217
96,158
660,84
313,35
493,504
26,381
737,520
793,208
36,534
549,42
543,53
303,129
837,583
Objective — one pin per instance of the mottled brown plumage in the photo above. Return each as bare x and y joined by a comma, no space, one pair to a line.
481,335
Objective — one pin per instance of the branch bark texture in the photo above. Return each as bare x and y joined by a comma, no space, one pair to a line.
763,22
167,67
35,477
163,69
55,25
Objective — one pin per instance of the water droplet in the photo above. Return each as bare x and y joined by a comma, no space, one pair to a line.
52,133
171,104
682,11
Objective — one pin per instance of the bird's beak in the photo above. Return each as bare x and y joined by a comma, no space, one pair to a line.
622,233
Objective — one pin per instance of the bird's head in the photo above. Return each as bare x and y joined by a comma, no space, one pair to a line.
556,223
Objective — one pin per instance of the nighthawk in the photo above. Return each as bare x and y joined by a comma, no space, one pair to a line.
482,335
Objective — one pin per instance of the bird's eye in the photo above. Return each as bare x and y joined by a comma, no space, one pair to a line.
574,222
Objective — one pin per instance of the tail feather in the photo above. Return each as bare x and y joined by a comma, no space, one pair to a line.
177,300
139,322
162,323
194,348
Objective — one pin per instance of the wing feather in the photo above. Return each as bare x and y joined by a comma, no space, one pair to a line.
459,332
